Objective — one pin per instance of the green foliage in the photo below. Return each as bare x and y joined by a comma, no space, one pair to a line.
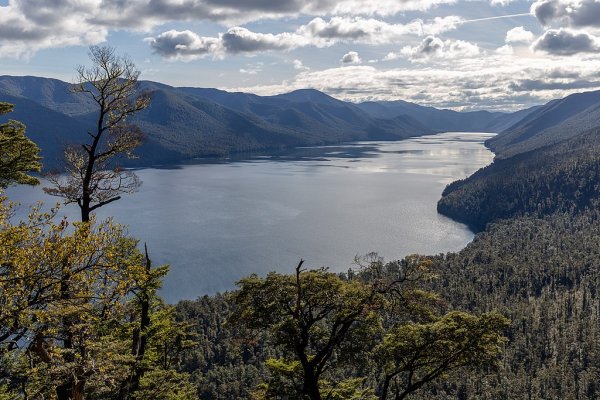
18,155
312,317
68,305
415,354
554,179
352,336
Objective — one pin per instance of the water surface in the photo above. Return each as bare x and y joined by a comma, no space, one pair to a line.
216,222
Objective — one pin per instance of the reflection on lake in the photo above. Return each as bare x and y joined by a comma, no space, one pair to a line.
215,222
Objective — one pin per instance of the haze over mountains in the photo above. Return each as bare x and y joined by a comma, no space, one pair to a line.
184,123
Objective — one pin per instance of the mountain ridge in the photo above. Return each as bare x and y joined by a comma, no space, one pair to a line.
555,121
185,123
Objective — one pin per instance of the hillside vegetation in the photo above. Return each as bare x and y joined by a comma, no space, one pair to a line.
552,123
536,260
185,123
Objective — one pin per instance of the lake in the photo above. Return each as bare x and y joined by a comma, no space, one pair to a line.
215,222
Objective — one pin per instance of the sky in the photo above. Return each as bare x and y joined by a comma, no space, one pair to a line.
460,54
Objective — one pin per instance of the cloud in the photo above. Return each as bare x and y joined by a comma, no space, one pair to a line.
29,25
26,27
452,85
251,69
241,40
526,85
572,13
351,58
184,45
298,65
519,35
566,42
187,45
507,49
374,31
501,2
434,47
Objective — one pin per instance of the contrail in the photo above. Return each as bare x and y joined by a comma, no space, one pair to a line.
497,17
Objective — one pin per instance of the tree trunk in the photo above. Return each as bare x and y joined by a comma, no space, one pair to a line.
139,342
85,205
311,385
63,392
386,388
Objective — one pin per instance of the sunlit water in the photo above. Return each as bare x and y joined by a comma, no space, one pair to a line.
215,223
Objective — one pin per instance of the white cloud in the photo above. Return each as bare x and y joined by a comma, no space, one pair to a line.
506,50
373,31
351,57
519,35
250,71
434,47
187,45
486,82
501,2
29,25
26,27
298,65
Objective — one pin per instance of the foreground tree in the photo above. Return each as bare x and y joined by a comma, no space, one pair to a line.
69,301
18,154
415,354
335,330
93,179
313,316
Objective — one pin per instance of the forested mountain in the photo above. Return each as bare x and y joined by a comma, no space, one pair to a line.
560,178
446,120
555,121
536,260
184,123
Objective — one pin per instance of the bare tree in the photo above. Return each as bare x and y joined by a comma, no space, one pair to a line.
92,177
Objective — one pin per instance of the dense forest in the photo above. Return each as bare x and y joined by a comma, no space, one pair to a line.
514,315
536,261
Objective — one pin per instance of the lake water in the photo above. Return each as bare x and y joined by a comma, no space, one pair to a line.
216,222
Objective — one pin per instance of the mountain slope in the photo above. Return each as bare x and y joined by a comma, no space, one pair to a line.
556,121
183,123
438,120
559,178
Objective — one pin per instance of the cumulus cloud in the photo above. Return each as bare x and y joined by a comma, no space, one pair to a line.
26,27
184,45
187,45
374,31
434,47
242,40
29,25
566,42
519,35
351,58
453,85
573,13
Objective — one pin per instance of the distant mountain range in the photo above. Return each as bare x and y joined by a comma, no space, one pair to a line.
184,123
